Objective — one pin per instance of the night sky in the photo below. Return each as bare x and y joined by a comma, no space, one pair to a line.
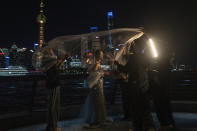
174,23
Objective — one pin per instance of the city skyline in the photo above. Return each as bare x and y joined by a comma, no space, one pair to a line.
170,22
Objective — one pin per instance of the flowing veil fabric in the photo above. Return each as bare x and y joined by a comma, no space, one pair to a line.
71,44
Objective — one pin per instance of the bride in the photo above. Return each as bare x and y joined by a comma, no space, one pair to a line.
95,113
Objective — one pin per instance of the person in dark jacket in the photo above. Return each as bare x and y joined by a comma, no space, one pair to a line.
121,80
160,84
140,110
53,91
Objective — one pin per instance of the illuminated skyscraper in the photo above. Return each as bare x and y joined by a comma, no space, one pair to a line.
84,47
95,43
13,54
110,17
2,59
41,19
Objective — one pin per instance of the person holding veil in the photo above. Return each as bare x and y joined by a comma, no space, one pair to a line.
95,113
121,80
137,66
53,88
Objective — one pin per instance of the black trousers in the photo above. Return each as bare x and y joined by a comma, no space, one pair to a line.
125,99
53,108
141,110
125,96
160,90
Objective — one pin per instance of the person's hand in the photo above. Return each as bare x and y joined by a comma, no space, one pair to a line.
116,62
97,66
60,63
112,60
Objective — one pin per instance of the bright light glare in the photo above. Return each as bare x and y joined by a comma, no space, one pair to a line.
153,48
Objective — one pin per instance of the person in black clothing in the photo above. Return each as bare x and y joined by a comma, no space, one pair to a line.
140,110
160,83
139,96
53,91
121,81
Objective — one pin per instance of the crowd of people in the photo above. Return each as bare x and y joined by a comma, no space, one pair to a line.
139,85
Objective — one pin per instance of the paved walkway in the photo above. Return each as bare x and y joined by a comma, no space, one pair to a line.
184,122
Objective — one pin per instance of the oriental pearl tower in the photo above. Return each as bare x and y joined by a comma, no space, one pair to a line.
41,19
37,56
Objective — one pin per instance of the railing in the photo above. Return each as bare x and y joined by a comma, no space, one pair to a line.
28,93
184,85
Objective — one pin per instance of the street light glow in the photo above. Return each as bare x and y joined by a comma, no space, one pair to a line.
153,48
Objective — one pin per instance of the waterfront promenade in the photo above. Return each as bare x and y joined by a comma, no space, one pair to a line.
184,122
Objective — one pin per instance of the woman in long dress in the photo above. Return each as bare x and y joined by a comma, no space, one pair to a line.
95,113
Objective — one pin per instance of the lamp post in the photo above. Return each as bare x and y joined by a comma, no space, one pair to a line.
154,51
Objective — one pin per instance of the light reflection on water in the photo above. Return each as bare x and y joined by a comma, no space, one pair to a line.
187,80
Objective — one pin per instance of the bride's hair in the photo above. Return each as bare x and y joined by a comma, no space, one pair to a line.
97,54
